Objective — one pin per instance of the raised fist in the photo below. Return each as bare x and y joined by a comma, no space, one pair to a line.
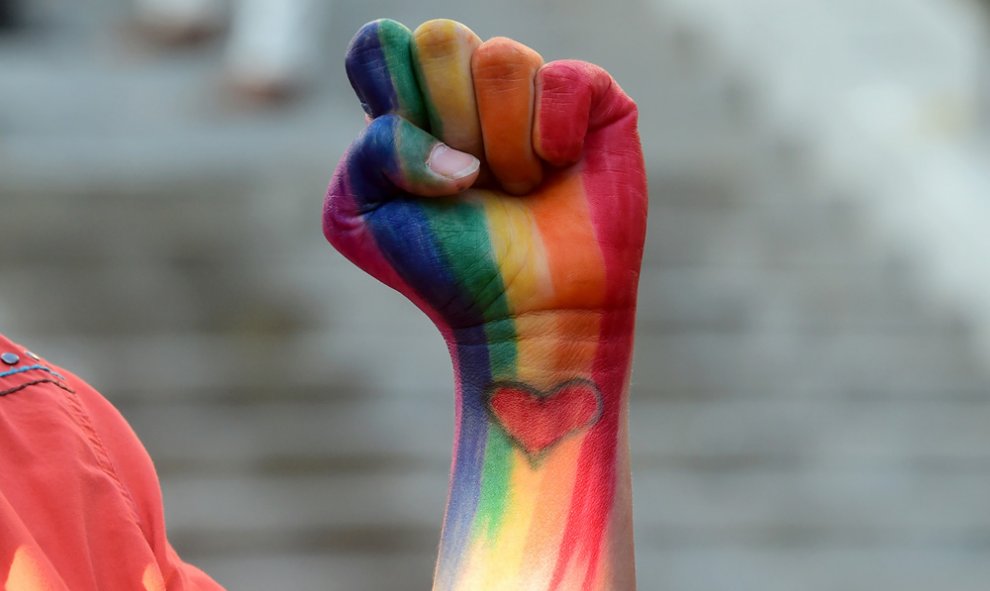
552,219
507,198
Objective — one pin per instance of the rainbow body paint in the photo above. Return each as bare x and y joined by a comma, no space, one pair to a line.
529,268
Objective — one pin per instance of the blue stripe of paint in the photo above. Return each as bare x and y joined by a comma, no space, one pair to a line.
403,234
368,72
474,367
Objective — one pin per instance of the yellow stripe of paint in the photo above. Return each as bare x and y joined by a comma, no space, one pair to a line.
539,501
518,251
508,547
546,533
522,262
524,486
443,51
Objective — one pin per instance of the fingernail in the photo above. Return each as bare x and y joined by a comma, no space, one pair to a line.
451,163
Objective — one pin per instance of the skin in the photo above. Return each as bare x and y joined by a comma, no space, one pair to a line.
529,267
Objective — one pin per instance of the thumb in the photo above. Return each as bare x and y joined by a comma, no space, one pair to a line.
392,156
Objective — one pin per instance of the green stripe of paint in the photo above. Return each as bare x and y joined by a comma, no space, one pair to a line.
462,227
436,122
396,42
494,483
412,146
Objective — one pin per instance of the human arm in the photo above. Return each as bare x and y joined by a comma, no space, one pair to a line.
528,264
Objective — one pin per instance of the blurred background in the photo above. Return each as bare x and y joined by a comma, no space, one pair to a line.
812,383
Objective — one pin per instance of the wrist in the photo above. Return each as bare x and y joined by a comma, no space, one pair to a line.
540,482
543,348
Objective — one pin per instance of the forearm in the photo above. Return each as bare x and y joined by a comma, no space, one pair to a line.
540,490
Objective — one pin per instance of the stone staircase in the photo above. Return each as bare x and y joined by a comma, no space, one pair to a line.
803,417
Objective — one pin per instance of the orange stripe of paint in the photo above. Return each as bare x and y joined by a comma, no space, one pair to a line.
544,538
504,72
561,213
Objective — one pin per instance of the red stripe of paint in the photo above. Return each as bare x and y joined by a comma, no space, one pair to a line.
615,182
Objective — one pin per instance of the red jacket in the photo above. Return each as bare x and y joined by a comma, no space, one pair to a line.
80,503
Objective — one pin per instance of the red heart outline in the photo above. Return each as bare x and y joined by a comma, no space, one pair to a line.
538,420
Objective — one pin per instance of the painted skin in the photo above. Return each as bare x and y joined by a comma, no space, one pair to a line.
527,259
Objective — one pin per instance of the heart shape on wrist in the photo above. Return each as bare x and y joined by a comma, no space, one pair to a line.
537,420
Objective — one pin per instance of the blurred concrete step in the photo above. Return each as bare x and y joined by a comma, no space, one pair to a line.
176,365
805,299
372,570
221,216
160,222
810,565
242,506
746,237
703,508
148,297
870,505
848,362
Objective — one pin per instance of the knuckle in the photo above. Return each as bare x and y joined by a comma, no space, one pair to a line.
437,37
504,59
379,136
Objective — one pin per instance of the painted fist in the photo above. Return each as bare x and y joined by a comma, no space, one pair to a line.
488,187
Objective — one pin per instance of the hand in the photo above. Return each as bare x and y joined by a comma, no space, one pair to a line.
556,221
507,199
